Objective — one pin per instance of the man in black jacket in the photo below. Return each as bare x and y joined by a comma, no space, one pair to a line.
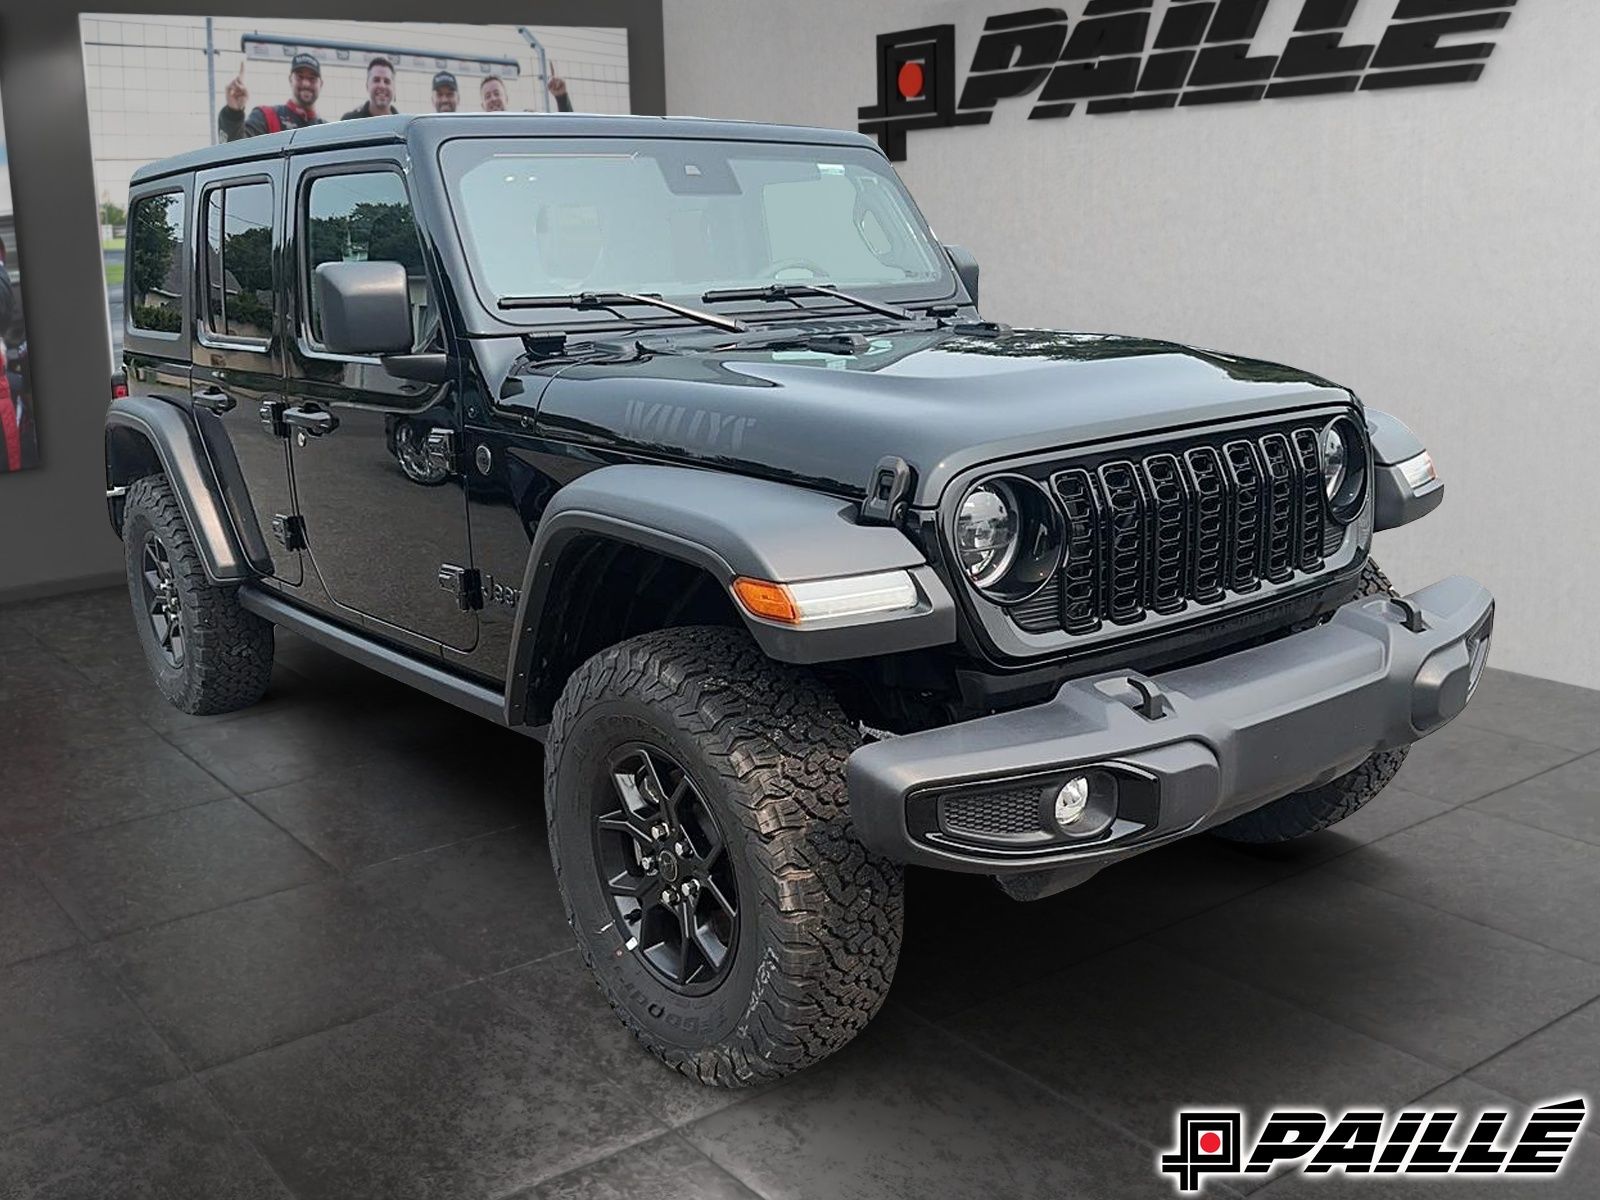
380,91
305,85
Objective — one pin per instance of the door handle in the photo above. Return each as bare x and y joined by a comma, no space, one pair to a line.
217,400
312,421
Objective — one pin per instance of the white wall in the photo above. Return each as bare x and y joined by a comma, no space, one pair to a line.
1435,249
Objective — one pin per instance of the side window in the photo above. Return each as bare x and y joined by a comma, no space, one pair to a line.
365,217
155,263
238,261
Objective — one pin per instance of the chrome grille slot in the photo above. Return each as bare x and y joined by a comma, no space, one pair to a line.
1080,578
1126,539
1169,543
1211,522
1280,483
1309,462
1244,556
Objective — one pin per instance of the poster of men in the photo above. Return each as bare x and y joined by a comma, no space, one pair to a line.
161,85
18,445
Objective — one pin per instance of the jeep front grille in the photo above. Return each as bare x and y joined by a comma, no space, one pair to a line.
1193,522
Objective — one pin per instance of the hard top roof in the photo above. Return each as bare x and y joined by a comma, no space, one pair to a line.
407,127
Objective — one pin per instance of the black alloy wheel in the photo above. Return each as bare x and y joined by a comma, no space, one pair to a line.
663,861
161,602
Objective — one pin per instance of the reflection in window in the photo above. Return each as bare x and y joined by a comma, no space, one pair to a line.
239,261
155,263
365,217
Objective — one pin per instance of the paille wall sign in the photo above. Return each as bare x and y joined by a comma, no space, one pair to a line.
1120,56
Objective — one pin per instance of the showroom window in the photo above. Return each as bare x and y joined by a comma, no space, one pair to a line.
239,261
155,263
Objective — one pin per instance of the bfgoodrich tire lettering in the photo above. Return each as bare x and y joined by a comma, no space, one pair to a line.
1303,813
226,652
819,917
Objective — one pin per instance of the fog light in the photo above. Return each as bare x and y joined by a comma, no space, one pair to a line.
1072,801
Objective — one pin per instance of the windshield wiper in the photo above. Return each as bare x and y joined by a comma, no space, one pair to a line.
612,299
788,291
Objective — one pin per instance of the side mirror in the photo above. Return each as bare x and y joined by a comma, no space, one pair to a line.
365,307
966,265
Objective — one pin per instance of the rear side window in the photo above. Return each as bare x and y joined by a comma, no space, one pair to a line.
238,261
155,263
365,216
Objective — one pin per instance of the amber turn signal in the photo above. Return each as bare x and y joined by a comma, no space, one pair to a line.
769,600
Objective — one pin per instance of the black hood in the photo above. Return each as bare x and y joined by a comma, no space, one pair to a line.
943,400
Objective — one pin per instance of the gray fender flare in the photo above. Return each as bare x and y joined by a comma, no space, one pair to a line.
731,526
169,431
1395,501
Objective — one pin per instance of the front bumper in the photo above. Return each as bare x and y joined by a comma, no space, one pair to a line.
1183,750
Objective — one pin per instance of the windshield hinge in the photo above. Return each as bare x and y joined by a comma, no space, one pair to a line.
885,503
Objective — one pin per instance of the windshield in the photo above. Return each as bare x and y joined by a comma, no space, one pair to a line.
547,217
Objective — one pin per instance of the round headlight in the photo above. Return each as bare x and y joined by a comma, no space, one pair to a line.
1335,457
986,532
1344,469
1010,537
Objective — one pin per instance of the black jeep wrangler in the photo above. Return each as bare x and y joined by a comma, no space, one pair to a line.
681,447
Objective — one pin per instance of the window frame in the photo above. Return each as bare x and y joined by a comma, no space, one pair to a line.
180,189
308,346
205,335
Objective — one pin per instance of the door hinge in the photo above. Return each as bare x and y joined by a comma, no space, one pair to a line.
887,492
464,583
271,414
290,531
439,448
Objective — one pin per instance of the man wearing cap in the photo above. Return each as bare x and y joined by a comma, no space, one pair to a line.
446,96
492,92
380,91
305,85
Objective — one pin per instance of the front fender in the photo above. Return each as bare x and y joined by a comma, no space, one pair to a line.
731,526
168,432
1399,496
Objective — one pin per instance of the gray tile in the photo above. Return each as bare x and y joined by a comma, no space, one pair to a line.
1464,762
84,713
169,1142
266,749
490,904
385,809
31,923
1560,1059
136,694
561,992
904,1112
1511,877
66,785
667,1166
1435,985
133,875
454,1096
227,983
69,1040
1564,801
1540,710
28,669
1139,1032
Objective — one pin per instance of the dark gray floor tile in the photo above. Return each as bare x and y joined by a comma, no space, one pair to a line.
1436,985
69,1040
170,1143
66,785
1564,801
1139,1032
274,746
1558,1060
667,1167
561,992
1464,762
83,714
904,1112
384,809
31,923
490,903
138,697
459,1095
1509,876
1540,710
28,669
224,984
172,865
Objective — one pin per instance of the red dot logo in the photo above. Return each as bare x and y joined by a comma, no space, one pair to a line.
1210,1143
910,80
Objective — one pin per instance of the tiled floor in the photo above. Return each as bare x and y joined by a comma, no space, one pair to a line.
314,950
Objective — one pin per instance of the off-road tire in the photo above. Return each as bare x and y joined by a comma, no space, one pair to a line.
820,917
1302,813
227,659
